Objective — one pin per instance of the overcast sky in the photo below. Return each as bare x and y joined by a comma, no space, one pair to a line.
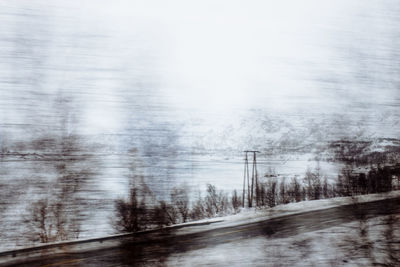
200,60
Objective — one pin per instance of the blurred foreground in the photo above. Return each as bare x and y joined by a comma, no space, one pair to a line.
357,234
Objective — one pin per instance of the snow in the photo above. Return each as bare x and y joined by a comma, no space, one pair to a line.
339,245
256,215
335,246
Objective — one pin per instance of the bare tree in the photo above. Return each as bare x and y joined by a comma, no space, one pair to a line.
294,191
48,222
131,214
215,202
262,194
271,190
325,189
198,208
297,190
283,192
164,214
63,159
180,199
313,184
211,201
39,225
236,201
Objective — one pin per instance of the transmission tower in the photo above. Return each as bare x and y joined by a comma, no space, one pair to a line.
252,185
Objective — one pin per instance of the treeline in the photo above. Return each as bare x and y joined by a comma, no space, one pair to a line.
312,186
141,211
315,186
376,180
359,152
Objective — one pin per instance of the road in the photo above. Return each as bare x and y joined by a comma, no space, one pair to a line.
154,248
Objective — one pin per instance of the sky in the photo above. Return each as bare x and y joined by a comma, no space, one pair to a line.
204,65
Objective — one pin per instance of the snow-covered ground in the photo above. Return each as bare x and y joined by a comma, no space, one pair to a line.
344,245
256,215
364,242
260,214
359,243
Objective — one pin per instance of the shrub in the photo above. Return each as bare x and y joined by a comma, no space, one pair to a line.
130,214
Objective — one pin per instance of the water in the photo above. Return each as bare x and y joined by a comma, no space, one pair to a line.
175,92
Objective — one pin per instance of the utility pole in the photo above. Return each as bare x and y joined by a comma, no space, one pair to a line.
246,168
254,179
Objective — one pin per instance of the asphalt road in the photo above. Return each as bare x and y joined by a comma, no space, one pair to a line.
154,248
